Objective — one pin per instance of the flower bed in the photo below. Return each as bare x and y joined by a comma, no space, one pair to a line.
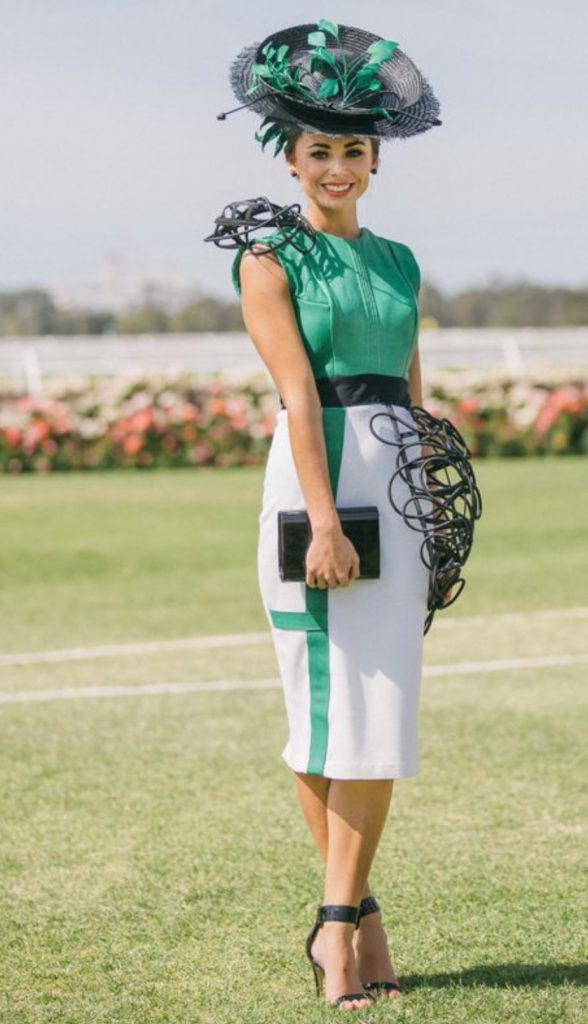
171,420
141,422
541,413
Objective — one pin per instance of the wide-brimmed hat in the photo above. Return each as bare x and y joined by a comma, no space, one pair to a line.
333,79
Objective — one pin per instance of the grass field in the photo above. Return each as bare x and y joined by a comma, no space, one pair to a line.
153,861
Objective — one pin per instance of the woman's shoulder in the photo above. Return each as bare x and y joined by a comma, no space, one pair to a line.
283,254
402,255
400,247
262,245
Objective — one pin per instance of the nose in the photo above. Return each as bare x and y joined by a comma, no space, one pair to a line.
338,167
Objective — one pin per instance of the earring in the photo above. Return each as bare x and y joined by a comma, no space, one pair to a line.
293,174
374,170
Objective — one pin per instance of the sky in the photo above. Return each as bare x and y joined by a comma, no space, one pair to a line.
111,149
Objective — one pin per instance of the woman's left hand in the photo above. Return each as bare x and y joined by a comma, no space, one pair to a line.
447,596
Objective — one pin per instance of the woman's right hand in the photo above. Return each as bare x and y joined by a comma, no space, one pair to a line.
331,559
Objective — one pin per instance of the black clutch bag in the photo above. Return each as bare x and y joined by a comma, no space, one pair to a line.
361,524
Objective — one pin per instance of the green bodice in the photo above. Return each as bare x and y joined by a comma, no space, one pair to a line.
355,301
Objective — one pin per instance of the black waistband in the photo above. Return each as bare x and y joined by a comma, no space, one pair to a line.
362,389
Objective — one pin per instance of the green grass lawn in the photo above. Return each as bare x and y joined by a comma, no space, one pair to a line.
154,864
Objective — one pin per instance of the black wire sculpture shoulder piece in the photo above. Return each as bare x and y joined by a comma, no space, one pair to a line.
241,220
444,500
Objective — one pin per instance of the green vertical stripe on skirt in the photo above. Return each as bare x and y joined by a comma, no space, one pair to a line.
317,604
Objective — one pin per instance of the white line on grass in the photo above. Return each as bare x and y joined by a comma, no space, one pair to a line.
529,616
148,690
243,639
154,689
502,664
147,647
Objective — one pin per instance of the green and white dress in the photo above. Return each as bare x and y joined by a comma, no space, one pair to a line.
350,658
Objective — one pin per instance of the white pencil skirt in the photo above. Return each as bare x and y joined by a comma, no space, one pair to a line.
349,658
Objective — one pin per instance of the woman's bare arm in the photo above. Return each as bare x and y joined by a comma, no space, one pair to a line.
271,324
415,381
269,319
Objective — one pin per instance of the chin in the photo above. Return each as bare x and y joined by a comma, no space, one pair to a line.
330,203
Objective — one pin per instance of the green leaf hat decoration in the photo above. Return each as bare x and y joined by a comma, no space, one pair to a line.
333,79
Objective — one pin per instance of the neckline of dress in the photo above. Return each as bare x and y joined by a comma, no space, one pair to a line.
358,238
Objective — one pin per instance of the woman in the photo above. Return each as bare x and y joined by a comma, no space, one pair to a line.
336,327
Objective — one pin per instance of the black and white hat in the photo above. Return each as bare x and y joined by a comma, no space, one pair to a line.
333,79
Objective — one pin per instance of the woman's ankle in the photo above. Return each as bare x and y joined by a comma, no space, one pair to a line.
336,933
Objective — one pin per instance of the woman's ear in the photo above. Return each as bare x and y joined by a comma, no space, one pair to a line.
291,168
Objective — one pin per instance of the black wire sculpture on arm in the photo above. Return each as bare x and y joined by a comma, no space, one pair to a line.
240,221
433,459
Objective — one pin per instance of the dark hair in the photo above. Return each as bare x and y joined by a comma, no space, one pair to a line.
295,135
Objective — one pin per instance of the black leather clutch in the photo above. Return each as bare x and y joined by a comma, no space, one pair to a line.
361,524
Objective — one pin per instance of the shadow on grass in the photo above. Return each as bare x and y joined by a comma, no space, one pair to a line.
502,976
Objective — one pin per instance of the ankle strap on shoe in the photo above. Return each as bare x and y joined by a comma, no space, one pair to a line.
368,905
334,912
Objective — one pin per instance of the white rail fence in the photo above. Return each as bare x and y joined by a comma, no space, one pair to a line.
25,363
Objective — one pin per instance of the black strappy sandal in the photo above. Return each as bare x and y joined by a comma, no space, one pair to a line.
347,915
370,905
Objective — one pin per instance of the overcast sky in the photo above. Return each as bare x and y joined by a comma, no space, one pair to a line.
111,147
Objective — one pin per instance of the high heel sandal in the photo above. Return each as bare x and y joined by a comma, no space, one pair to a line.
370,905
330,912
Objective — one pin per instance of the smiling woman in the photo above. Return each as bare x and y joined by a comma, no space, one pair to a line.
331,170
336,323
348,160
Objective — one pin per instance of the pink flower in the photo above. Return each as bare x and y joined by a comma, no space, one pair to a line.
467,405
39,429
239,421
141,420
564,399
133,444
217,407
189,413
12,436
268,423
118,430
62,425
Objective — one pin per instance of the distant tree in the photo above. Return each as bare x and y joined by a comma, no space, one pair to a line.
433,305
208,314
519,304
143,320
83,321
29,311
32,311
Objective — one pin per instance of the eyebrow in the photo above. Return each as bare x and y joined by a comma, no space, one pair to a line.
327,145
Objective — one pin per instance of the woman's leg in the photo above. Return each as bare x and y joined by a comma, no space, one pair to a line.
312,791
356,814
369,941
